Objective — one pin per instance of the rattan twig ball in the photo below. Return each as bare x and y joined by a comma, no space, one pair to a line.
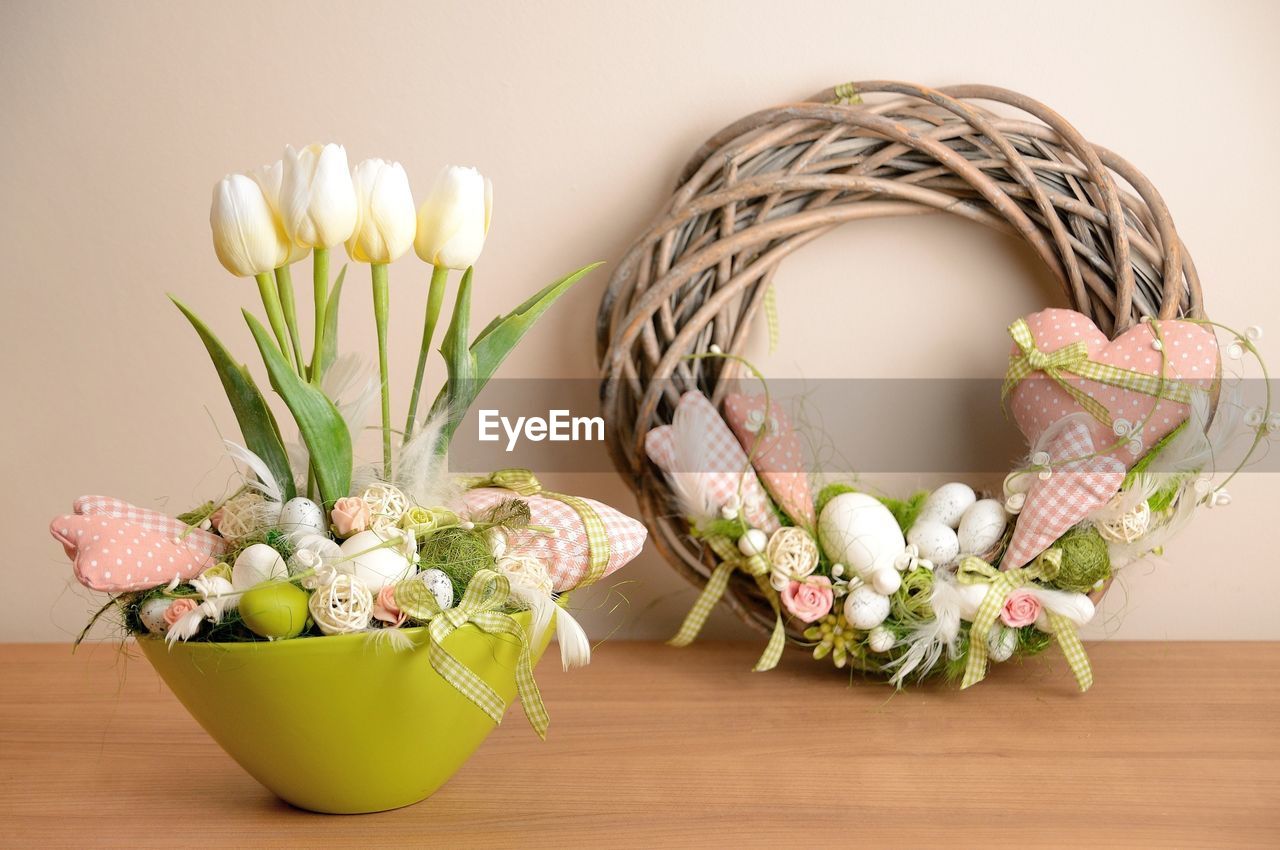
777,179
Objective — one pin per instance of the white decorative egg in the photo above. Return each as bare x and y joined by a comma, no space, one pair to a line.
375,561
865,609
440,586
300,517
256,564
948,503
886,581
1001,642
981,527
753,542
935,541
151,613
881,639
858,531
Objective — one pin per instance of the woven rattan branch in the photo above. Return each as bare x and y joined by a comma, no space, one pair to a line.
777,179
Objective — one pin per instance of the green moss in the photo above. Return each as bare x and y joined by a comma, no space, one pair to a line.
1085,561
459,553
829,492
906,510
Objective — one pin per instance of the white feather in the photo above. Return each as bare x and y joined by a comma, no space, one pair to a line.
575,648
395,639
927,641
352,386
422,468
692,476
266,483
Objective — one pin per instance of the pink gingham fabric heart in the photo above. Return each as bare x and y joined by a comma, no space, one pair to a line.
776,453
699,450
565,551
1077,485
117,547
1188,354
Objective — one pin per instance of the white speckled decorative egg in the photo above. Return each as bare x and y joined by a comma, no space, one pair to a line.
256,564
151,613
1001,642
865,609
881,639
858,531
301,516
948,503
438,583
936,542
981,527
374,561
886,581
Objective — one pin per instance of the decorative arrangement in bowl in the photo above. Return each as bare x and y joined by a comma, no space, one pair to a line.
290,613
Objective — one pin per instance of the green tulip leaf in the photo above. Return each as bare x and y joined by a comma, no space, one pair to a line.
330,351
319,422
257,425
471,367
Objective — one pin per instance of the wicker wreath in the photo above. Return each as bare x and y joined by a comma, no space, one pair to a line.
777,179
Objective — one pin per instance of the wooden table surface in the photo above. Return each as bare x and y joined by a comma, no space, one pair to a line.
1178,744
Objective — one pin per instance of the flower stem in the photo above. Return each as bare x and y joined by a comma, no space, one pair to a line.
320,283
380,305
275,315
435,297
284,285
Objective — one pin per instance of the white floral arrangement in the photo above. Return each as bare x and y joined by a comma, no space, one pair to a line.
309,543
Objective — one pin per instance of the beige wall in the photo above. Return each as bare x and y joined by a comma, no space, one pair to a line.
118,118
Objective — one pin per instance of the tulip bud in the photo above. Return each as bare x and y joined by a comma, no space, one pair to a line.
454,219
317,199
385,220
269,179
246,236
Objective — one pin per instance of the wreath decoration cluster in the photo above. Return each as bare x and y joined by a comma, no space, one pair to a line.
1123,398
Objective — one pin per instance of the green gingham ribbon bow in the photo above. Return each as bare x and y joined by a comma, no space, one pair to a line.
1000,584
756,567
1074,359
523,483
481,606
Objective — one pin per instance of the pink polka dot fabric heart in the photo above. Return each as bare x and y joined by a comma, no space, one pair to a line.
116,547
1188,354
777,453
706,465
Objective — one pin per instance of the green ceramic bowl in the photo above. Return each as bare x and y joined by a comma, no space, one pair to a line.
339,724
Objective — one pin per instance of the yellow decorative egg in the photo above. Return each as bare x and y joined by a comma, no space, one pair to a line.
275,610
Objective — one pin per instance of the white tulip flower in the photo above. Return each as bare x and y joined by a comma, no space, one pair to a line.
385,219
454,219
247,236
317,199
269,179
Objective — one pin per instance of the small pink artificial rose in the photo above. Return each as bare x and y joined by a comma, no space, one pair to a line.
1020,609
809,600
350,516
385,608
177,608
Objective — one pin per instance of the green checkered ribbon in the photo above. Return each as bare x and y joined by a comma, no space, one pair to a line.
1000,584
523,483
756,567
482,606
1074,359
